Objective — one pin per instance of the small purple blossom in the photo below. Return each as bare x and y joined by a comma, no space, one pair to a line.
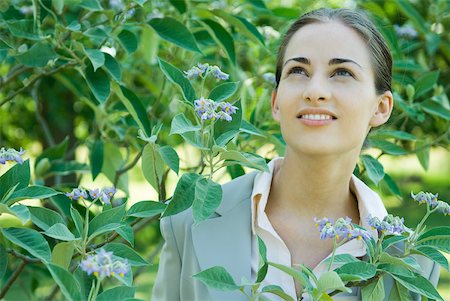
390,225
359,234
193,73
269,77
77,194
203,70
342,228
102,264
217,73
11,155
94,193
207,109
110,191
227,107
426,198
443,207
321,223
405,31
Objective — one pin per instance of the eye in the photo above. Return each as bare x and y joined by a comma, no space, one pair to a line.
343,72
298,70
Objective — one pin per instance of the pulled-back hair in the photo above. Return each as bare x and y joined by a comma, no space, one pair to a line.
380,54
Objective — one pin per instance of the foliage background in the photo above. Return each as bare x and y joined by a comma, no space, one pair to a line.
50,96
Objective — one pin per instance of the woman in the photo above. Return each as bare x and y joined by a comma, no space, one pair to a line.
333,84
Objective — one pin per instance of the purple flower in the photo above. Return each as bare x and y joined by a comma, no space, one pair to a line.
110,191
269,77
390,225
359,234
426,197
11,155
443,207
77,194
89,265
94,193
217,73
102,264
203,67
321,223
343,227
406,31
227,107
193,73
121,267
105,198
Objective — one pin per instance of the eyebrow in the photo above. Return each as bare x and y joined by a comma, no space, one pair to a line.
333,61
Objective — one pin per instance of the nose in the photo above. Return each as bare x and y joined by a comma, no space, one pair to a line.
316,89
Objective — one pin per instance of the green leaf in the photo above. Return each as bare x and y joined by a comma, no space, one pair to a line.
175,76
125,252
420,285
399,293
30,240
8,193
66,168
77,220
356,271
19,173
146,209
277,290
331,281
96,57
392,240
180,5
152,166
96,158
180,124
375,170
44,218
223,38
296,274
126,232
438,238
223,91
96,34
425,83
134,107
184,194
62,254
58,5
59,231
342,258
3,261
246,159
226,137
113,162
32,192
408,10
38,55
21,211
388,147
436,109
423,153
66,282
175,32
434,255
208,196
391,185
247,127
98,82
128,40
170,157
374,291
217,278
408,263
93,5
112,67
23,29
104,229
114,215
117,293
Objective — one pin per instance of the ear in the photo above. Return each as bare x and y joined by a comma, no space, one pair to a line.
275,109
383,110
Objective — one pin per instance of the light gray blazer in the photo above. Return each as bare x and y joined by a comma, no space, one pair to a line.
225,239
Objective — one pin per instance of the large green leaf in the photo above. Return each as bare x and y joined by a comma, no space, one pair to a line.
356,271
170,157
62,254
112,68
114,215
425,83
68,167
184,194
223,91
66,282
175,32
296,274
112,162
134,107
126,232
61,232
408,9
277,290
32,192
125,252
30,240
38,55
77,220
96,57
180,124
21,211
44,218
438,238
23,29
180,5
434,108
399,293
217,278
208,195
223,38
373,291
387,147
146,209
96,158
246,159
53,153
98,82
434,255
420,285
152,165
175,76
374,169
117,293
128,40
393,187
19,173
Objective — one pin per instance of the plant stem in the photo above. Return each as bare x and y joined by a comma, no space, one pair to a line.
12,279
332,254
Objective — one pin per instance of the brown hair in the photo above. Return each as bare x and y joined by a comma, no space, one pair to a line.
360,22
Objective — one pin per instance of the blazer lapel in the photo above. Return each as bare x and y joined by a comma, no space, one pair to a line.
226,238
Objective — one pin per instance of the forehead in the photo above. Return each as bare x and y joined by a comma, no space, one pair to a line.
324,41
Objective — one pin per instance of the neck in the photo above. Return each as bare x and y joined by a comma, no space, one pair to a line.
311,186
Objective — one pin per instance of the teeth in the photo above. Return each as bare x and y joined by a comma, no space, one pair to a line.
317,116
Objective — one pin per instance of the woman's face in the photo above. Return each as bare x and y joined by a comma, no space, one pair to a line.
326,100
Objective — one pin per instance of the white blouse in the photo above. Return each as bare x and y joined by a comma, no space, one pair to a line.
369,203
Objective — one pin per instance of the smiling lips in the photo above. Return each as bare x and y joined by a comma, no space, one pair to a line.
316,117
